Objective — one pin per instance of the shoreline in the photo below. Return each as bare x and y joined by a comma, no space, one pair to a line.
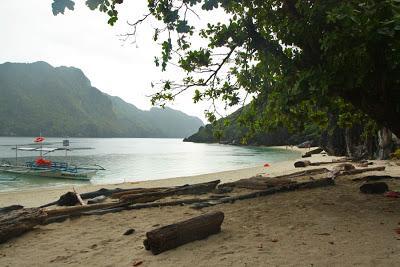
32,197
307,227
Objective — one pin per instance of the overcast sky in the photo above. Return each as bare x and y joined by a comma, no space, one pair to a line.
83,39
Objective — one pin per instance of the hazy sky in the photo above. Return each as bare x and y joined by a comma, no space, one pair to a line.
83,39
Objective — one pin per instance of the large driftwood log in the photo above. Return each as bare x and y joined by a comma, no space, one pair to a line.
10,208
79,209
305,163
139,191
174,235
258,183
62,217
357,171
194,189
148,205
278,189
304,173
17,222
262,183
69,198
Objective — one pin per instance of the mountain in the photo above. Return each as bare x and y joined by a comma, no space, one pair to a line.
36,97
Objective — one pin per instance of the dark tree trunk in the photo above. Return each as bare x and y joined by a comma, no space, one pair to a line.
385,142
332,140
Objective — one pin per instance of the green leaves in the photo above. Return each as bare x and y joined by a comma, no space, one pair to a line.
183,27
59,6
195,59
210,4
94,4
294,58
166,53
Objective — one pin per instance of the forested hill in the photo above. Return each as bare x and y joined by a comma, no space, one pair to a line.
235,133
37,97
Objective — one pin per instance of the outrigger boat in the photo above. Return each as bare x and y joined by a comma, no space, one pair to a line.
46,168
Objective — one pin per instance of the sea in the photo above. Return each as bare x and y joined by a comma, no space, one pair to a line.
136,159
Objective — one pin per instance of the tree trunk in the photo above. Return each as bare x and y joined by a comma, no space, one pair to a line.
385,143
177,234
332,140
16,222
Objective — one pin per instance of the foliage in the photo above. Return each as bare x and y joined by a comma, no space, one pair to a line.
296,58
396,154
232,130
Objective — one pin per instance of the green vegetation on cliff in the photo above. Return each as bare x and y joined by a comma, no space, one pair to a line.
60,101
231,131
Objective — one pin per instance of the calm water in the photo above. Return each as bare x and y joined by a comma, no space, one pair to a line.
137,159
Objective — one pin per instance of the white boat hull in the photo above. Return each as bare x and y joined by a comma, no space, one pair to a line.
50,173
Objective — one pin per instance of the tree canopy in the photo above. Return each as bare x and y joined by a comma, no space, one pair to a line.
298,59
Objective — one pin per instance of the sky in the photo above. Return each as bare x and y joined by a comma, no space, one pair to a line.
83,39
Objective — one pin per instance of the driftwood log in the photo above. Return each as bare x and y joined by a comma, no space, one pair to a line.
278,189
357,171
101,211
310,172
68,198
343,167
10,208
258,183
71,199
195,189
16,222
59,215
140,191
78,209
177,234
126,200
305,163
311,152
262,183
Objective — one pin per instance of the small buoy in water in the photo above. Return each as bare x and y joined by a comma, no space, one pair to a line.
266,165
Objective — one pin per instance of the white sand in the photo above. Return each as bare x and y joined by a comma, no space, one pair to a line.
332,226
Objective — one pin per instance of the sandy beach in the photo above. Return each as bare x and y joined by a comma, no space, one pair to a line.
329,226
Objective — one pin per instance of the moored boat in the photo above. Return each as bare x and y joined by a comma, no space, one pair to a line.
43,167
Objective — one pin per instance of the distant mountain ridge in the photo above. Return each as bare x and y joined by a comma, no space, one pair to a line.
60,101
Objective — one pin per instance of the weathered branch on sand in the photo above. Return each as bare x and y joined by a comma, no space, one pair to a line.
78,209
306,163
357,171
279,189
194,189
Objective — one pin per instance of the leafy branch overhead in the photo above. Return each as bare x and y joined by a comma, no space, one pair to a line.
106,6
295,60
